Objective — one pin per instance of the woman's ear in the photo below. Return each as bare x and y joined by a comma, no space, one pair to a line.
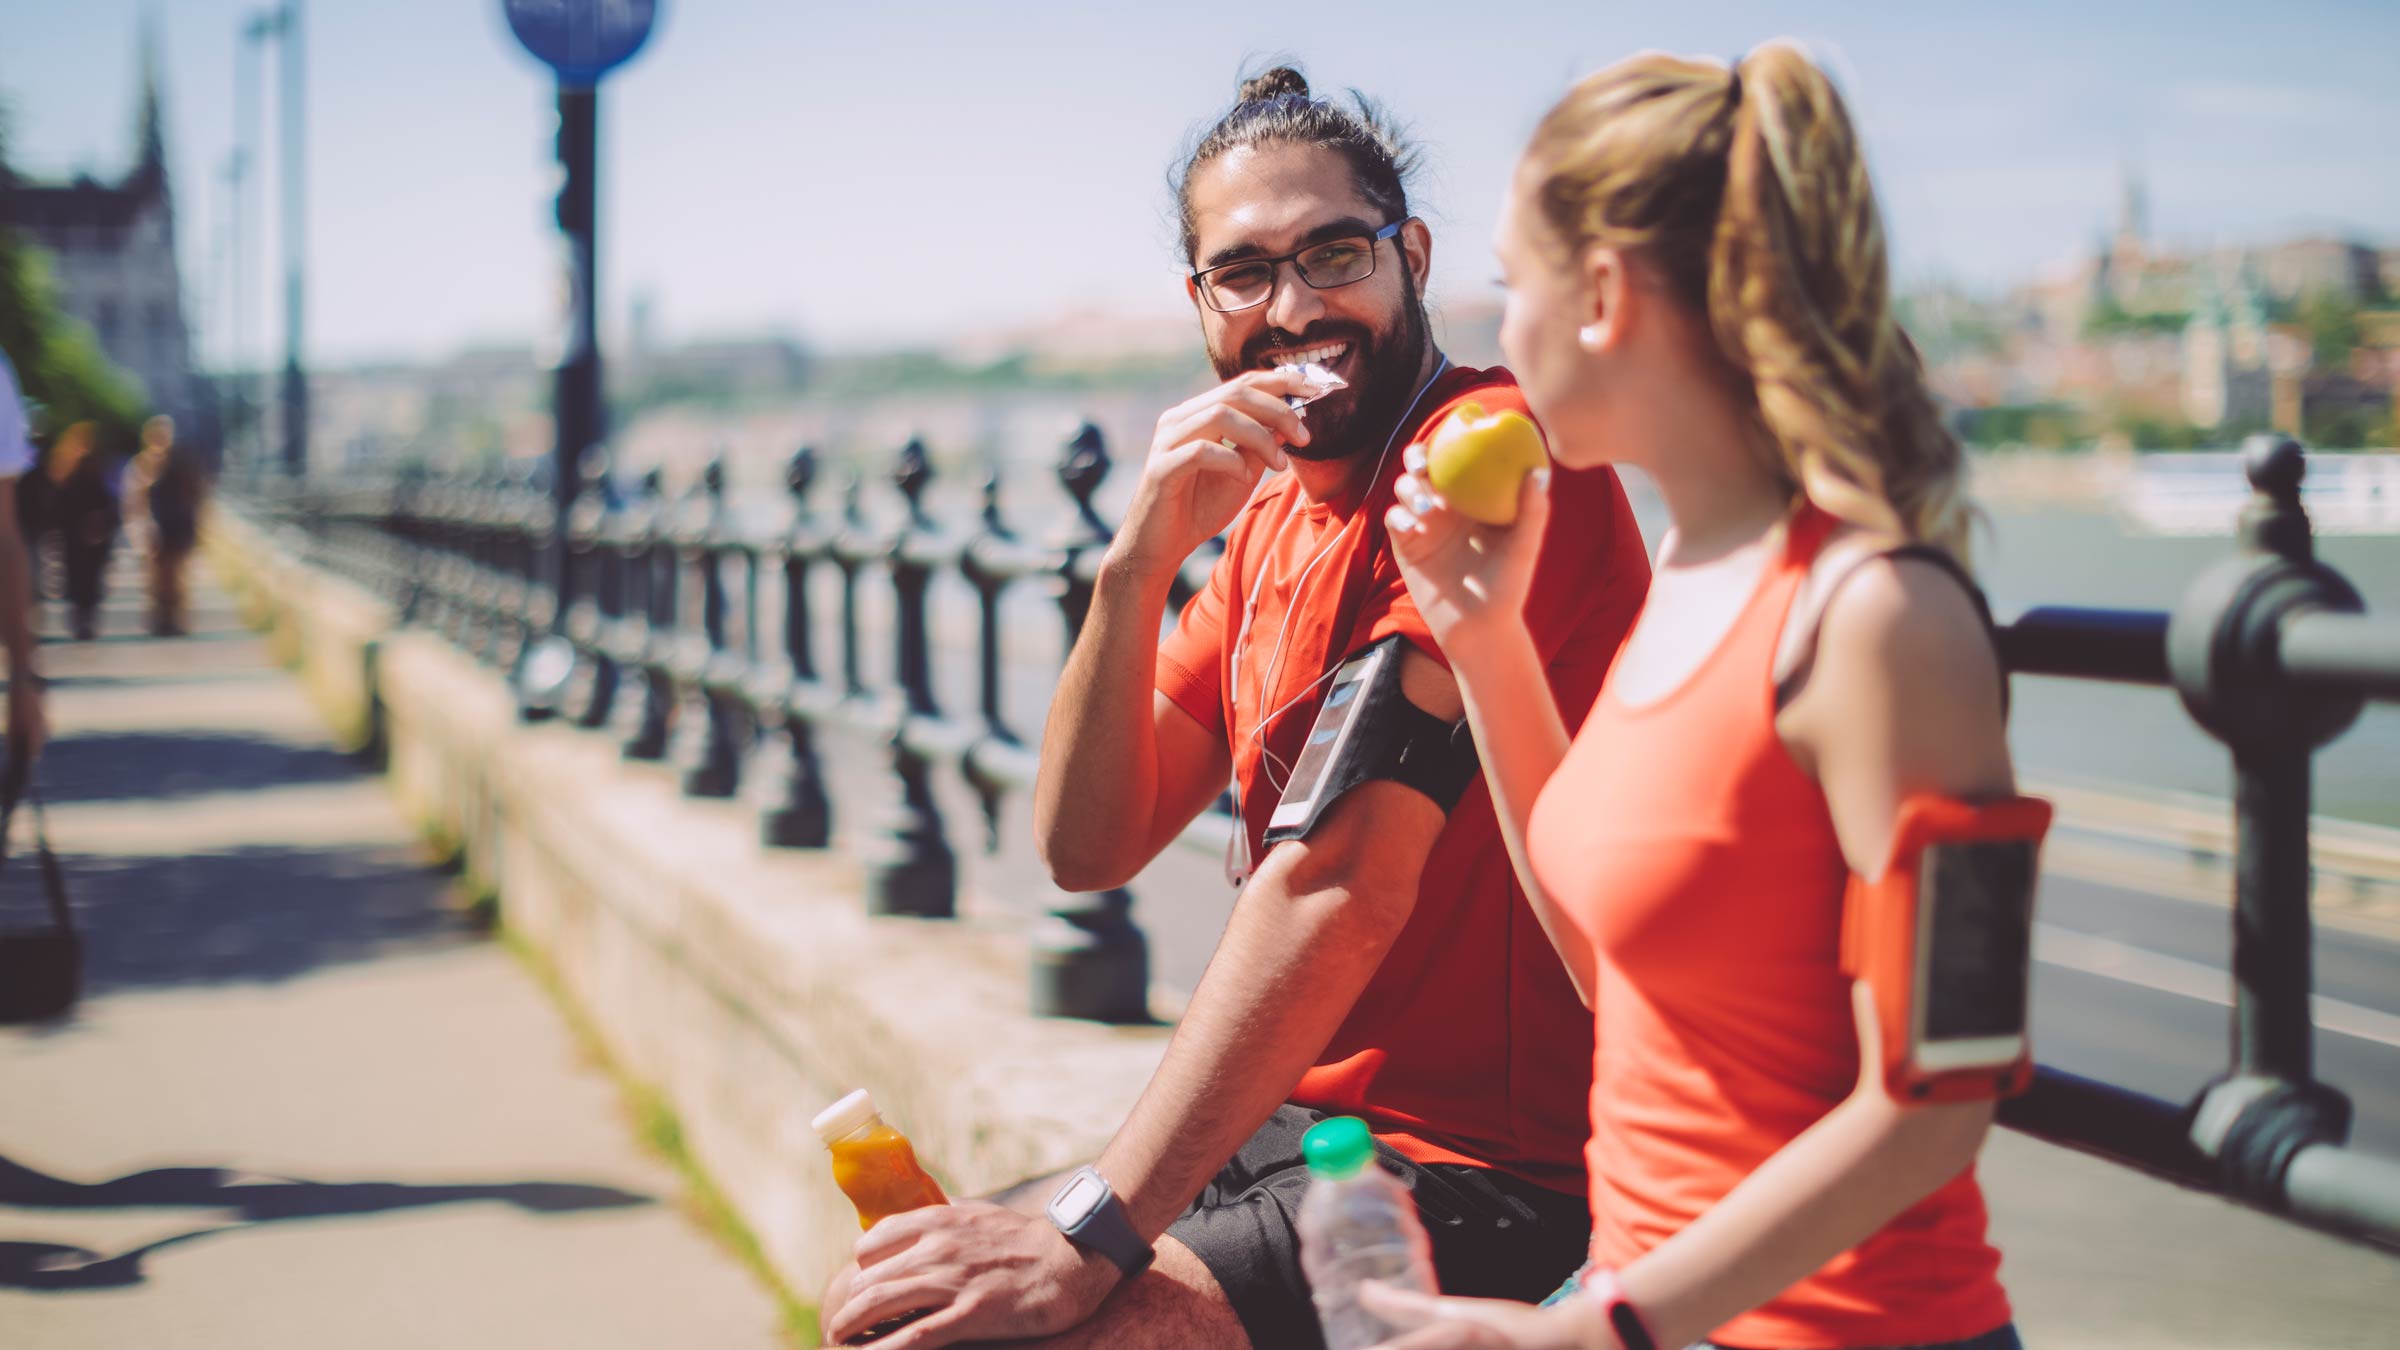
1609,299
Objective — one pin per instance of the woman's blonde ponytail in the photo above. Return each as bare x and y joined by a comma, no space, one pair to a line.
1749,189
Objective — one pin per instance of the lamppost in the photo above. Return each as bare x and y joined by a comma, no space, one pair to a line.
295,380
581,41
281,24
248,408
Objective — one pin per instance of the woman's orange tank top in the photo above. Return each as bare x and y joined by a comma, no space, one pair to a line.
1700,862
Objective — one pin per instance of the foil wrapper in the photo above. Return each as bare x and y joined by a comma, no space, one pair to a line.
1320,383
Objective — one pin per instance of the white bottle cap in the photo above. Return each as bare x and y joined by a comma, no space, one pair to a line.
844,1116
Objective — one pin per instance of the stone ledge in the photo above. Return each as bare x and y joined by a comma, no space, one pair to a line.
749,987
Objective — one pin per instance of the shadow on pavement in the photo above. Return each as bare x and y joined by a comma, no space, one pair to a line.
252,1199
245,915
141,765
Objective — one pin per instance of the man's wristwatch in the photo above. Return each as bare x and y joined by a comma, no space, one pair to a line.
1092,1216
1602,1287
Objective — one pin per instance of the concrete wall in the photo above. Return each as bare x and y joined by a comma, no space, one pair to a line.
747,986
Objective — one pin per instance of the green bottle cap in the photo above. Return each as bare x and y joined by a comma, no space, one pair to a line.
1337,1147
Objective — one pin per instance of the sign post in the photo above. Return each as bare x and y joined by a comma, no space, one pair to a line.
581,41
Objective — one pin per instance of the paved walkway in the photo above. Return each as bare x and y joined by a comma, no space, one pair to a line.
303,1105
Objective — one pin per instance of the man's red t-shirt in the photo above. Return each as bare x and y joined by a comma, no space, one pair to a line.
1468,1044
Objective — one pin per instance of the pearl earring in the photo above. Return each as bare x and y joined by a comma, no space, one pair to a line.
1589,335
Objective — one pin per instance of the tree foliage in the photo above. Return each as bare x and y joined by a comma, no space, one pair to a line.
58,361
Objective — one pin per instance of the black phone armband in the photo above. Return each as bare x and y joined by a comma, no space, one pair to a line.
1367,729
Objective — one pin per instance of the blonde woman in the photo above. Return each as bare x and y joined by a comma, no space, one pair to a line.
1697,285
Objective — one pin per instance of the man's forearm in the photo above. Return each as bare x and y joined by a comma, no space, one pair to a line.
1304,939
1097,792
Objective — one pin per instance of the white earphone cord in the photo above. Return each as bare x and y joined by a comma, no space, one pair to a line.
1279,773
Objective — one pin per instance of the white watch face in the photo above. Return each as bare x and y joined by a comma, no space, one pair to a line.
1082,1194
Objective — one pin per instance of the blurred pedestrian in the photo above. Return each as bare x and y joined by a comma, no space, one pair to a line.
81,508
25,724
164,489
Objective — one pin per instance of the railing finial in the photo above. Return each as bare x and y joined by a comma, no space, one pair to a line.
800,475
991,499
2274,521
1082,468
911,475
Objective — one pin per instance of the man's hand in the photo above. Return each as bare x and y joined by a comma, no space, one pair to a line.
1208,454
977,1270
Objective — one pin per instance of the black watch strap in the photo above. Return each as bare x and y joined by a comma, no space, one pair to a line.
1091,1215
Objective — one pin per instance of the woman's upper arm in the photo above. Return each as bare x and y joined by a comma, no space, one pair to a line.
1906,697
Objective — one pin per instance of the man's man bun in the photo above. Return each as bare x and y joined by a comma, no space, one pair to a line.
1275,107
1273,84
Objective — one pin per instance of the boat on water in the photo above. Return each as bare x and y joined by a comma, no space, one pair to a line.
2202,493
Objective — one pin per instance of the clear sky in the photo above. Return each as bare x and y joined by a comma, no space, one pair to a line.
864,173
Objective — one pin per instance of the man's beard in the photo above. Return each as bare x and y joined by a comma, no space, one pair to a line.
1348,421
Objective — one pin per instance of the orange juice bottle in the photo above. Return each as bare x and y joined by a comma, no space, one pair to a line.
872,1162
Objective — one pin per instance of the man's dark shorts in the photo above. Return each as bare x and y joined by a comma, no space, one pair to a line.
1494,1236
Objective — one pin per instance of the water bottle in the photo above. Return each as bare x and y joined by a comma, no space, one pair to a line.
1357,1223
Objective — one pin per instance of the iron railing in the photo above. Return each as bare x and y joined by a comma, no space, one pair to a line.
644,614
2272,654
647,616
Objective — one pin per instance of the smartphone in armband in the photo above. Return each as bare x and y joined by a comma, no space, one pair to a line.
1944,939
1314,783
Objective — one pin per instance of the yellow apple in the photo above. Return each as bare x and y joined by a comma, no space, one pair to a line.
1477,460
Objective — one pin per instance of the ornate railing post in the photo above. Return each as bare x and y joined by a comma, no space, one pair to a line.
651,714
850,553
545,661
910,868
2223,651
506,580
473,504
790,694
451,567
991,560
710,733
1089,960
598,572
406,547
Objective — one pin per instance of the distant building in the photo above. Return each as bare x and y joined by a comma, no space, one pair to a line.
114,246
2126,279
2304,267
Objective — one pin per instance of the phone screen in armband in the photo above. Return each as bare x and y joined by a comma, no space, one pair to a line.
1337,719
1975,934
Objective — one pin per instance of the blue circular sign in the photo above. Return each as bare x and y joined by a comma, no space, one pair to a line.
581,39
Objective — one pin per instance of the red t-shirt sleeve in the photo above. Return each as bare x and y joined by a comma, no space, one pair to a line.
1587,588
1191,660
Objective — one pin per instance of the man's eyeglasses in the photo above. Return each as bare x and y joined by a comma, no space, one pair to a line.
1336,262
